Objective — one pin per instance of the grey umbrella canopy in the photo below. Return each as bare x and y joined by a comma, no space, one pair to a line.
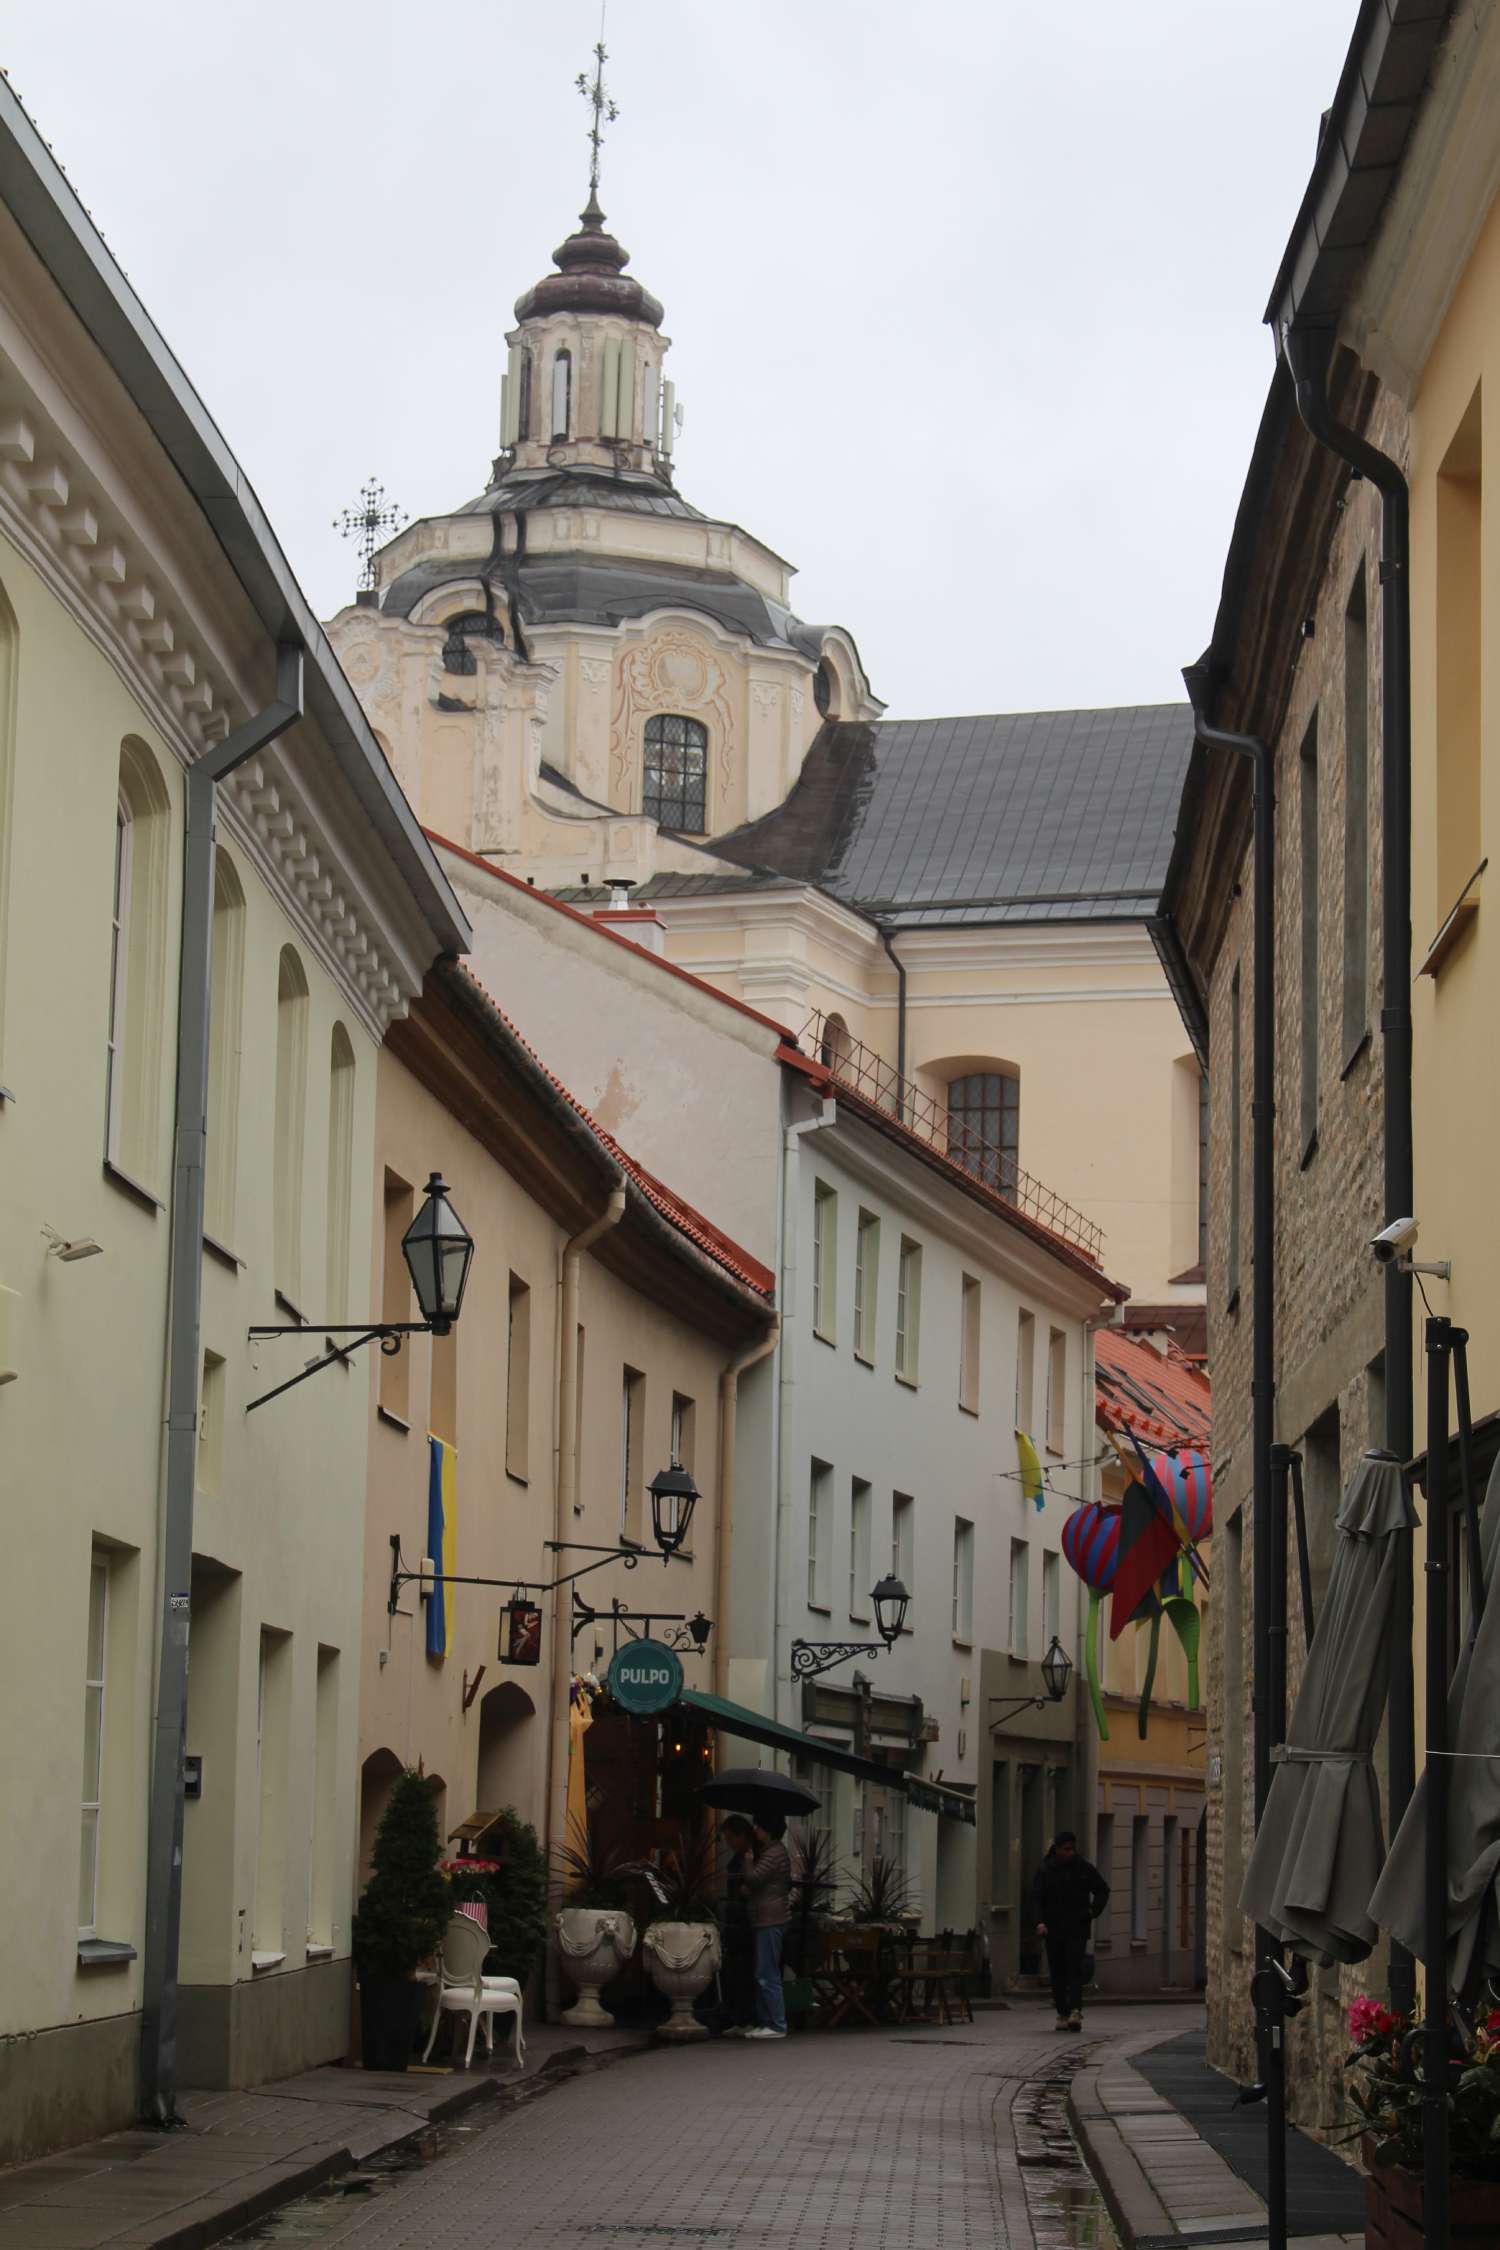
1473,1801
1320,1844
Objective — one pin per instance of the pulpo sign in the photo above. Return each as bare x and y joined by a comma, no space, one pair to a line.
644,1677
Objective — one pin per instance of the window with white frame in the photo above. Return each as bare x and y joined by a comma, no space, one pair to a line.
963,1579
908,1309
137,966
1020,1596
1140,1878
825,1262
1025,1370
93,1744
984,1126
866,1284
1051,1599
684,1417
903,1546
1057,1390
968,1344
819,1535
119,980
859,1548
225,1032
290,1117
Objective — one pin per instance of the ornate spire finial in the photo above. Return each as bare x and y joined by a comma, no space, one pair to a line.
367,525
596,94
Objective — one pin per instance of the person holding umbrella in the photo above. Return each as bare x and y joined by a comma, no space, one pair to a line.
1067,1896
768,1888
737,1975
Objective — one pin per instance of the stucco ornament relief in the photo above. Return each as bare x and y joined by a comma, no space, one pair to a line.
672,671
594,670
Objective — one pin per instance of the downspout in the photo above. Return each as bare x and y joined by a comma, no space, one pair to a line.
790,1315
565,1492
729,1393
1307,357
184,1321
888,941
1268,1554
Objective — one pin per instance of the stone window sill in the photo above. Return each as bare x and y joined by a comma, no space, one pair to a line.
132,1188
394,1421
320,1952
261,1964
104,1953
221,1252
1361,1047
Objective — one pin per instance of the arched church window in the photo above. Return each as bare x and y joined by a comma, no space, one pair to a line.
562,394
823,687
470,625
523,396
984,1126
836,1045
675,791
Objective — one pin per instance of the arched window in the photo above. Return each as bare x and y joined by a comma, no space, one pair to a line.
137,967
676,773
836,1043
984,1126
291,1103
222,1150
523,395
470,625
562,394
825,689
340,1169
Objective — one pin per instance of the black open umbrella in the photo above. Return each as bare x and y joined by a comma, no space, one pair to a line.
757,1789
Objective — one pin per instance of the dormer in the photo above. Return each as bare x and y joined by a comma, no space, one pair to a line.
583,385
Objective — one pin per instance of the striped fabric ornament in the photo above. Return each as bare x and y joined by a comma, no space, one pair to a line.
476,1910
1091,1542
1187,1481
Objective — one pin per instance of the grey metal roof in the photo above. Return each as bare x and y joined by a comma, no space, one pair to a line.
567,589
572,488
1037,816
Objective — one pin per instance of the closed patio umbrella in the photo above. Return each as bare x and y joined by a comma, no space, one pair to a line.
1473,1802
1320,1844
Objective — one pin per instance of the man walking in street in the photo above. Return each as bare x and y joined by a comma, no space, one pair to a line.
767,1885
1067,1896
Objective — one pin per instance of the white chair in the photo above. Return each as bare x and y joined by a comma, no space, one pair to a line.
464,1989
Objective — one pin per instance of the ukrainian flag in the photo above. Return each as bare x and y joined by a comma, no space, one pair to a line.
442,1536
1033,1486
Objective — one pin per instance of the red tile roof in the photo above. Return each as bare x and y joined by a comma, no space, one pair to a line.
1159,1396
701,1232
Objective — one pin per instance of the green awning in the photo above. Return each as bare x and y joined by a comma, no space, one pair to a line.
753,1726
932,1797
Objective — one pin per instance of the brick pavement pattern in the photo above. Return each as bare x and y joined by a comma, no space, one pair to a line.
894,2140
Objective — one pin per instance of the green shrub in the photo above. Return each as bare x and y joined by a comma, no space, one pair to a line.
517,1896
407,1901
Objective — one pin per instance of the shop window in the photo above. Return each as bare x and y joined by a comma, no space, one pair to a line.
984,1126
1140,1878
675,780
225,1032
290,1118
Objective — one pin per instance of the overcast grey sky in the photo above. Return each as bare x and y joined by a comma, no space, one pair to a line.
966,300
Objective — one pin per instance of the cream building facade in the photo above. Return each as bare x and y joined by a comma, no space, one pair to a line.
142,601
584,680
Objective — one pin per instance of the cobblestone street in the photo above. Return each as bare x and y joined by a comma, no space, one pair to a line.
861,2142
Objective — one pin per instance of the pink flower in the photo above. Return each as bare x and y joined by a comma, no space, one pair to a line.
1369,2019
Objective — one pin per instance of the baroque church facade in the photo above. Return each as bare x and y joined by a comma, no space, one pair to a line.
583,680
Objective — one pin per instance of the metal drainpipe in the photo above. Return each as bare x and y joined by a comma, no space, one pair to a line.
1268,1553
787,1292
888,941
184,1322
729,1394
1307,358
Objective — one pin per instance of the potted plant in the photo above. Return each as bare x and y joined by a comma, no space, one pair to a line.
681,1946
1385,2095
400,1920
595,1934
517,1893
882,1899
815,1880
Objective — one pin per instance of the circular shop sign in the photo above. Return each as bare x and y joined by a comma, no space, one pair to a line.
643,1677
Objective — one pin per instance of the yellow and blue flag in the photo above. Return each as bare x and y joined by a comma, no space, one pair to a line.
442,1536
1031,1469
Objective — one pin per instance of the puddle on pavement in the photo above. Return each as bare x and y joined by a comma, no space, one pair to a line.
313,2217
1067,2211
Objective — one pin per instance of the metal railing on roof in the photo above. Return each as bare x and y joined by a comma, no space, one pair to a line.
964,1143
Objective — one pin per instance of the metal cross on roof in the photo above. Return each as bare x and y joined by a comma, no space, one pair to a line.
368,524
596,94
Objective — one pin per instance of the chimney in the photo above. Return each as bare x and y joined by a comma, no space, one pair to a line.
641,924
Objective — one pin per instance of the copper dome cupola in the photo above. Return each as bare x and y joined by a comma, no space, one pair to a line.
590,277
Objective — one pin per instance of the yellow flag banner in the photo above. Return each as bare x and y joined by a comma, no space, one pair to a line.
580,1719
1031,1469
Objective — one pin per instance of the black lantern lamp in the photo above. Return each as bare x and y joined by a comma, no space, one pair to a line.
700,1627
438,1250
891,1601
1057,1670
673,1499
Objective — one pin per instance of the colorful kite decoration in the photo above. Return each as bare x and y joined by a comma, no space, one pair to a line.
1032,1485
1091,1543
1143,1554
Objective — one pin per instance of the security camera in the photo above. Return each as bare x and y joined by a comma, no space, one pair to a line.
1393,1240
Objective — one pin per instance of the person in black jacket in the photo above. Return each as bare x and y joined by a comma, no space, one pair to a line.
1067,1895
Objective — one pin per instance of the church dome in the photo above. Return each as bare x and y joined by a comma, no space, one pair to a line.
590,277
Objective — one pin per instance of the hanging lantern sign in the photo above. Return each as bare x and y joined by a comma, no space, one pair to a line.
521,1630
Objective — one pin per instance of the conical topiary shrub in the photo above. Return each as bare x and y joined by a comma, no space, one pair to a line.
401,1919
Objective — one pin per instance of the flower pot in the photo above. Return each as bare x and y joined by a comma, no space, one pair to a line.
595,1942
682,1958
1393,2208
388,2008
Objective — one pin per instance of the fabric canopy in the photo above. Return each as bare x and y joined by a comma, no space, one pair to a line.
1473,1801
929,1796
754,1726
1319,1846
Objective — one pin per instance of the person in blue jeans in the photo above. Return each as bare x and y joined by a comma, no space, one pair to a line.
768,1891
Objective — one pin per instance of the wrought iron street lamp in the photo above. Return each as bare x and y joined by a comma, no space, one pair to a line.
891,1602
673,1499
439,1251
1057,1670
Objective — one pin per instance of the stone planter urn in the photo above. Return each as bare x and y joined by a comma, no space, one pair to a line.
682,1958
1393,2208
595,1942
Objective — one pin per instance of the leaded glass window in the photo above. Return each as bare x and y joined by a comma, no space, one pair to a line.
984,1126
676,773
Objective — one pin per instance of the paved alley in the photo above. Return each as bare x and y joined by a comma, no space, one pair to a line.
871,2141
